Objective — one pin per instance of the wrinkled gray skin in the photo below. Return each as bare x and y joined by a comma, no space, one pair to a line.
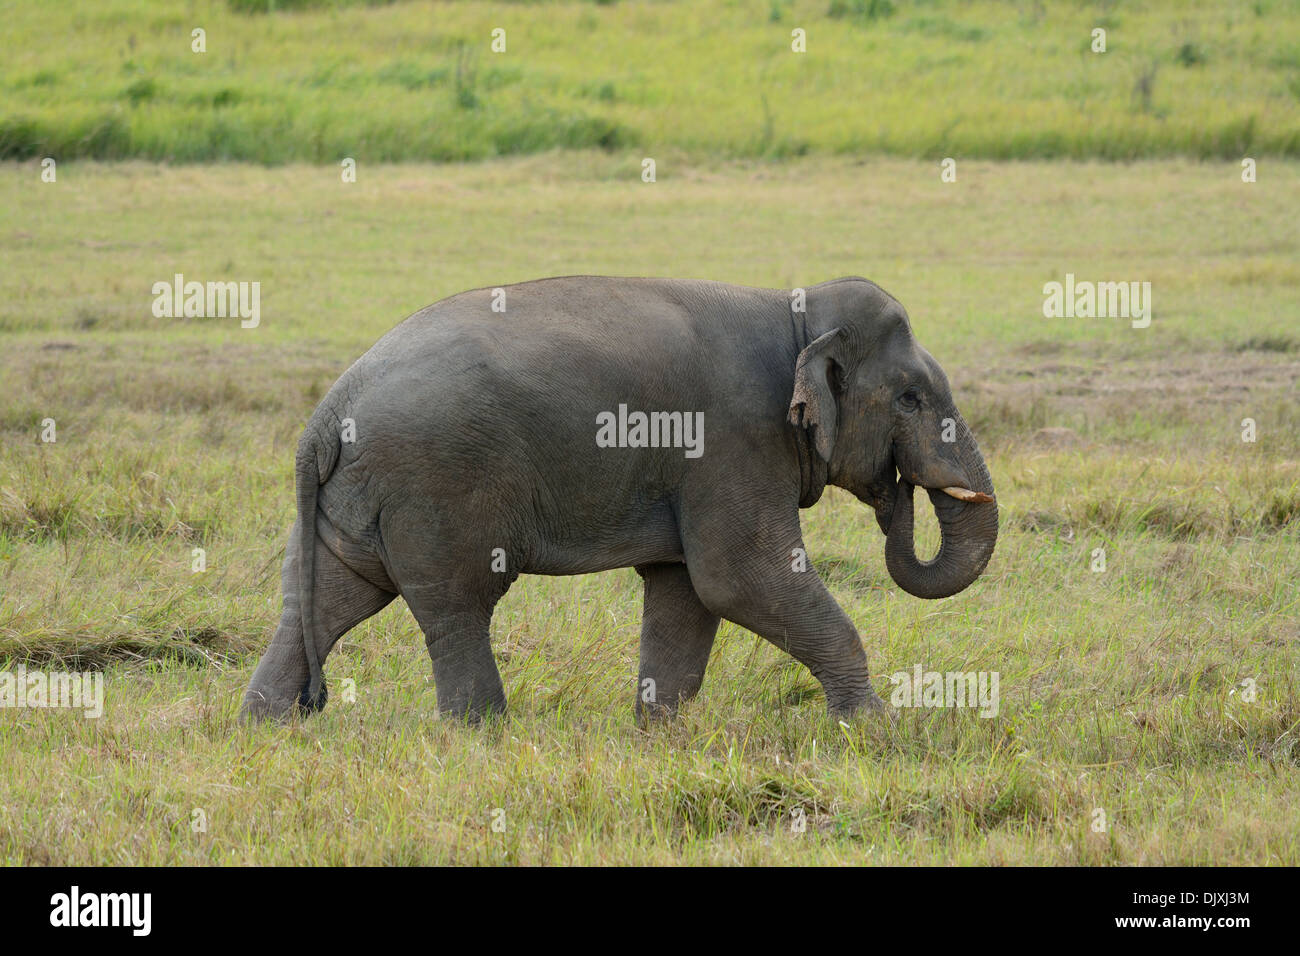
476,430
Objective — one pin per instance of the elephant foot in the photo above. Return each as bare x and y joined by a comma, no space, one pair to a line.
869,705
475,715
258,707
648,714
274,702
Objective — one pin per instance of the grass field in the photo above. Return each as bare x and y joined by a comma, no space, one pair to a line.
418,81
1121,691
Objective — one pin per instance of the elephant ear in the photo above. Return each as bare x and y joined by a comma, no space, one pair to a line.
813,406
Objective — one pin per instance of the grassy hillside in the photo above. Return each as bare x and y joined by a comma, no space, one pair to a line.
418,81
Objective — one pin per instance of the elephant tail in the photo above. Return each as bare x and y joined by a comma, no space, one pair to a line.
317,454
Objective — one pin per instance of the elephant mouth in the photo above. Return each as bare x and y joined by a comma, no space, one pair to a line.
880,496
882,501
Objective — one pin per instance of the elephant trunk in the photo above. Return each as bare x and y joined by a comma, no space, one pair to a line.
969,531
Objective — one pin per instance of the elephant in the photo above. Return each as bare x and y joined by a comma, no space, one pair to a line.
584,423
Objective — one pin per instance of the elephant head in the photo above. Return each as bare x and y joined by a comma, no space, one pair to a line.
881,418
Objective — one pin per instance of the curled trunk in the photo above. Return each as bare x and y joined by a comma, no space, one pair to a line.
969,532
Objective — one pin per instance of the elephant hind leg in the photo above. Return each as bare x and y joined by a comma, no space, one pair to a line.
341,600
457,637
447,571
677,633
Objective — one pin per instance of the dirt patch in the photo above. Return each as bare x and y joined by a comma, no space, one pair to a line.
1053,404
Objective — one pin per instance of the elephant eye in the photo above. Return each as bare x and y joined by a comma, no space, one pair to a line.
910,399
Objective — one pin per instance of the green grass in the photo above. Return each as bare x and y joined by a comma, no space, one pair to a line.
318,82
1120,690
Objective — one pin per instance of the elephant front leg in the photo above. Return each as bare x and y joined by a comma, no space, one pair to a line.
746,566
677,633
805,621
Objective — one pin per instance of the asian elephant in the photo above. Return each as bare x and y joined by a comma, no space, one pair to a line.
579,424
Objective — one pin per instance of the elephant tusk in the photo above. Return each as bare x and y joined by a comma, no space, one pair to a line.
965,494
